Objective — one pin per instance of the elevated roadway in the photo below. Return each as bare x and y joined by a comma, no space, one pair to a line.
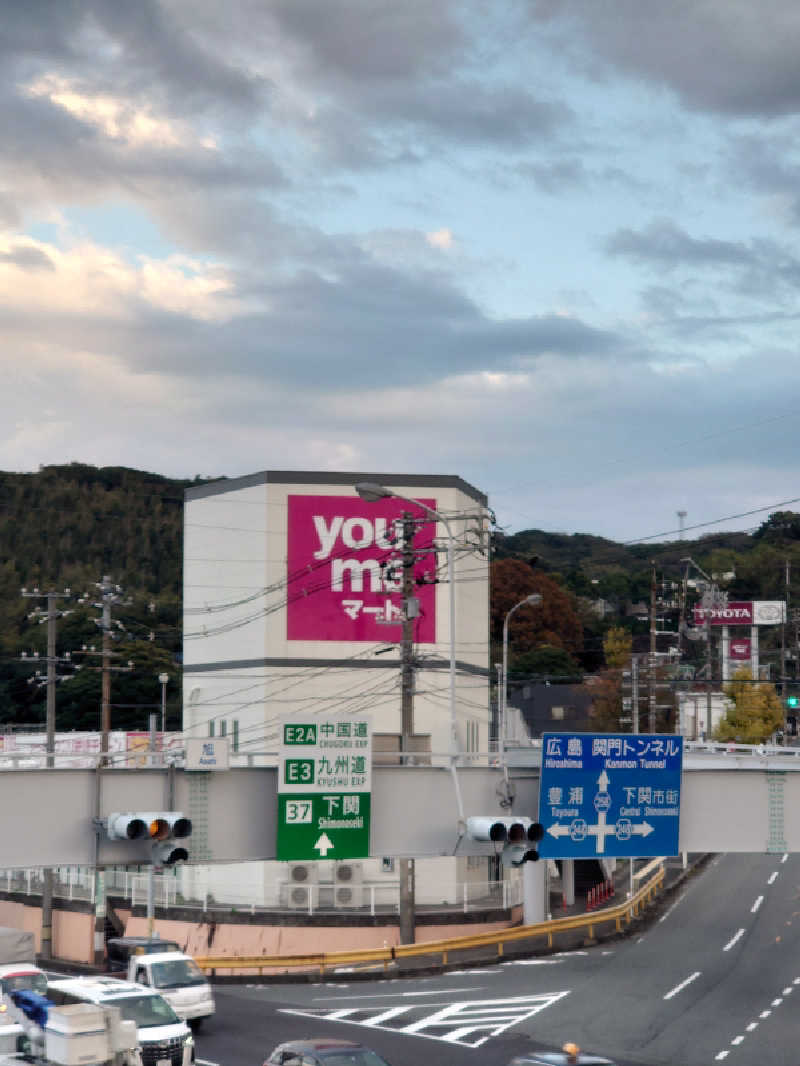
732,800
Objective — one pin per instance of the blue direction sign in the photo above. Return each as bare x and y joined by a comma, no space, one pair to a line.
610,795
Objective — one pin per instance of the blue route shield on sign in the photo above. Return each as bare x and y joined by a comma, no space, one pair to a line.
610,795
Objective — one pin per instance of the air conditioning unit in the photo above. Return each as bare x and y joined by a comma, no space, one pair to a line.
301,887
348,890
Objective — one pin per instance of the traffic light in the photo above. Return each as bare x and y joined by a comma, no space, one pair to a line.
164,829
515,834
793,701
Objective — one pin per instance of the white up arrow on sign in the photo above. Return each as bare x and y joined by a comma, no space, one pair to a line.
324,845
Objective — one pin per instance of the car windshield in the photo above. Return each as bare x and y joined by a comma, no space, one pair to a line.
35,982
356,1057
144,1010
177,973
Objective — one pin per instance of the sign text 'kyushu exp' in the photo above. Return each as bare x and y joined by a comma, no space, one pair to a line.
324,785
610,795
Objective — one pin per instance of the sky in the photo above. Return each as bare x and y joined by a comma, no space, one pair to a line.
549,246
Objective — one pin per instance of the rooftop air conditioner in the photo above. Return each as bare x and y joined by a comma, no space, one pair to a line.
303,879
348,890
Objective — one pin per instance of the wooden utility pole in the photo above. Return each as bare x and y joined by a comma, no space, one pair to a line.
51,617
410,611
651,662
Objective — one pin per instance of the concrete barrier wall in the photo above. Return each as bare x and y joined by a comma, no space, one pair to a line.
231,939
73,931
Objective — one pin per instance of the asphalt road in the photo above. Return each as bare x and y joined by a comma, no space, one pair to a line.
716,978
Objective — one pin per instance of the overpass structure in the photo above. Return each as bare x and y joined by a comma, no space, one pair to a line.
732,800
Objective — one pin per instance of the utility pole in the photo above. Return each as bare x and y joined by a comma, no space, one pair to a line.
410,611
635,693
51,616
651,662
110,595
783,634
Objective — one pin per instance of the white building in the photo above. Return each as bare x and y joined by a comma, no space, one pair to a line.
293,606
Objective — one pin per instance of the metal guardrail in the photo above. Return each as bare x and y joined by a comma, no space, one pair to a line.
616,915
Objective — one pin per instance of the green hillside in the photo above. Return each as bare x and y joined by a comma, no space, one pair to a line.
68,526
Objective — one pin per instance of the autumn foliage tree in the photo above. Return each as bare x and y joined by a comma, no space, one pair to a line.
553,622
756,713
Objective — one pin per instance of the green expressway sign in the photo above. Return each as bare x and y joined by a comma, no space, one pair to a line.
324,789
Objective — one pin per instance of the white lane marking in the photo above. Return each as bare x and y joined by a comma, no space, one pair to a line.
722,1055
788,991
205,1062
772,877
468,1023
785,857
730,943
394,995
765,1014
533,962
752,1026
737,1040
682,985
776,1002
757,904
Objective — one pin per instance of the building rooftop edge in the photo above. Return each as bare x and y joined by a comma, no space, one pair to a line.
326,477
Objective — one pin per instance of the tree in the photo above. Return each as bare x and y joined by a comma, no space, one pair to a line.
555,621
606,690
617,645
545,661
756,714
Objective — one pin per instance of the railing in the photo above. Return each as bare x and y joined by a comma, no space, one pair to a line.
175,890
494,942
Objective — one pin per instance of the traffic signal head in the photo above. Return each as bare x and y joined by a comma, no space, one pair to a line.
793,701
515,834
161,828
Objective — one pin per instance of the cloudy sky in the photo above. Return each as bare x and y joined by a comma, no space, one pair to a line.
551,246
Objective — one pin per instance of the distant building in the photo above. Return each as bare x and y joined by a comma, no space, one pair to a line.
538,707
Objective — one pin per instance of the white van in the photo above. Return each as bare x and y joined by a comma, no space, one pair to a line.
179,980
164,1039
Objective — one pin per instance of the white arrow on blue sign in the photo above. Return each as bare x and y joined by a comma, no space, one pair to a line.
610,795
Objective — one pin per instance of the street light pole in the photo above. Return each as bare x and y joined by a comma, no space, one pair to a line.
163,678
531,601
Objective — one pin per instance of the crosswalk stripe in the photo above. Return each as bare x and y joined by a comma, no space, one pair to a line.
468,1023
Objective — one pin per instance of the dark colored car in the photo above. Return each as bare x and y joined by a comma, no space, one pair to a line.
324,1051
570,1055
120,949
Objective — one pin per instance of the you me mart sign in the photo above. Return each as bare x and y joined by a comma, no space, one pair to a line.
324,788
610,795
345,571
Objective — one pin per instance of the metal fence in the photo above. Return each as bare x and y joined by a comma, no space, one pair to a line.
173,890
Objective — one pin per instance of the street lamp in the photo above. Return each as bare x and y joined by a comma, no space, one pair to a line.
529,601
163,678
372,492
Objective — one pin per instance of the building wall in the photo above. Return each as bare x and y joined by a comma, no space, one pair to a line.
241,669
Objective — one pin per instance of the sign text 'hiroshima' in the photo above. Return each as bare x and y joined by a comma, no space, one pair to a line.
610,795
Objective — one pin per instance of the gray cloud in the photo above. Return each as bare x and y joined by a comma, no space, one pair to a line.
729,56
666,244
28,258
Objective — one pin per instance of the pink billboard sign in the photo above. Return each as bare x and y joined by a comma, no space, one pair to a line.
740,649
344,567
732,614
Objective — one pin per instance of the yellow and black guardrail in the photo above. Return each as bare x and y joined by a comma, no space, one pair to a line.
441,950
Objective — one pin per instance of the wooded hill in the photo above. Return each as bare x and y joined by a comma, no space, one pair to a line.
68,526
